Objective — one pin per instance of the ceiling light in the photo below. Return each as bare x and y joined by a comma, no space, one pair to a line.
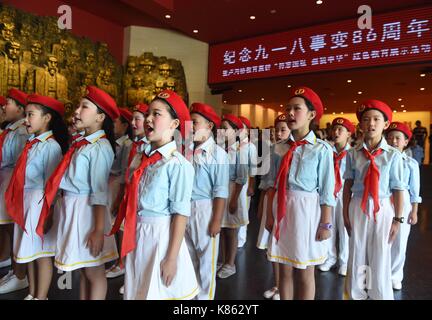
359,92
325,109
422,89
319,2
272,11
402,106
281,105
355,101
404,111
167,16
349,81
240,90
334,112
422,75
341,112
262,99
195,31
400,99
252,17
289,86
394,111
225,101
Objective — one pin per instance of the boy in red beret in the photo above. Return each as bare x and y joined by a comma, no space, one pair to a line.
398,136
341,131
374,173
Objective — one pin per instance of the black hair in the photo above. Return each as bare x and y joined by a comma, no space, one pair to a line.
108,127
4,124
58,127
309,104
129,128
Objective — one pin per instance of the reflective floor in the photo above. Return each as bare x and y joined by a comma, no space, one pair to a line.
254,273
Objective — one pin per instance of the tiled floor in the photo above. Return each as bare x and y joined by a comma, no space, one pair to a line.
254,274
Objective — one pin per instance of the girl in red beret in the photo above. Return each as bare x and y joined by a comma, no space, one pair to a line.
302,180
123,136
398,136
282,133
341,131
42,153
82,176
155,209
373,174
12,142
235,214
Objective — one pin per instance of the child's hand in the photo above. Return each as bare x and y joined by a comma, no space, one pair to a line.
233,206
168,271
95,242
214,228
412,218
48,224
393,231
322,234
347,224
250,191
269,222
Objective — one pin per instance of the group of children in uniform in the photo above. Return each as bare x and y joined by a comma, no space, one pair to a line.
129,181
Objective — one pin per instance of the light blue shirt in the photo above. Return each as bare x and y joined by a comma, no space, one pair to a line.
211,166
89,170
123,146
166,186
390,166
238,168
14,143
42,159
311,168
412,178
249,154
342,163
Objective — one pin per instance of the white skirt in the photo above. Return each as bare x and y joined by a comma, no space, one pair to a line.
27,246
263,234
5,176
143,279
76,222
241,217
297,245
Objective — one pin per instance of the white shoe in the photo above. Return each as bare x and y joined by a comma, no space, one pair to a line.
397,285
13,284
343,270
6,263
276,296
29,297
219,265
6,277
226,271
121,290
39,299
270,293
115,272
325,267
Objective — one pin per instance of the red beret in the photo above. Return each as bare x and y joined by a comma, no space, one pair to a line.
312,97
3,101
374,105
126,113
103,101
47,102
19,96
281,118
177,105
141,107
345,123
233,119
402,127
245,121
207,112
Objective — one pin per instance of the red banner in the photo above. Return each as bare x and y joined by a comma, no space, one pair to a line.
398,37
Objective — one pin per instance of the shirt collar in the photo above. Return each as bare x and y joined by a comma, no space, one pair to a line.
347,147
310,137
122,139
206,145
15,125
166,150
144,139
95,136
382,145
42,137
